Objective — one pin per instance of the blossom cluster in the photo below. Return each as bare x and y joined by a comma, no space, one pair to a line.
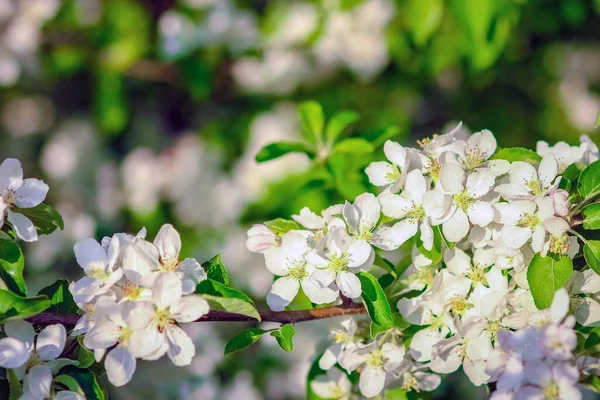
473,222
133,298
134,295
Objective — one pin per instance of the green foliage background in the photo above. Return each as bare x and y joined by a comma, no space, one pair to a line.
147,73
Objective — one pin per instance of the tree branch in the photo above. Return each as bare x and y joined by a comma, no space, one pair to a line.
283,317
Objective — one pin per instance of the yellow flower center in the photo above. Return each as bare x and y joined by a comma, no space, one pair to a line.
529,221
10,198
339,336
462,200
409,382
433,168
339,263
394,175
131,291
168,263
477,275
559,245
474,158
375,359
97,271
297,270
416,213
458,305
551,391
163,318
535,187
124,335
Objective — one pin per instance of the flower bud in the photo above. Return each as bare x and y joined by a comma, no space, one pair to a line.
261,238
560,202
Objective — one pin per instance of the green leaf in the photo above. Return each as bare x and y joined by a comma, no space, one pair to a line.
284,337
375,301
396,394
589,181
353,146
597,120
60,297
111,109
513,154
312,119
380,136
14,307
232,305
83,381
591,216
278,149
85,356
11,267
16,389
214,288
244,339
281,226
422,18
45,218
546,275
337,124
216,271
591,252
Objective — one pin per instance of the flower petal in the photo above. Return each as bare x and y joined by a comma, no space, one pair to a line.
167,290
13,353
11,174
457,227
31,193
282,293
189,308
181,348
120,366
168,242
51,341
349,284
23,226
371,381
38,381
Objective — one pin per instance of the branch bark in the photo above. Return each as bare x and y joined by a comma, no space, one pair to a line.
283,317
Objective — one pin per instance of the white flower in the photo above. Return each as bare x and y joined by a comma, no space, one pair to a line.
112,329
155,323
343,339
100,266
528,183
189,270
261,238
590,150
474,154
468,204
307,219
559,242
564,153
376,363
546,381
18,192
417,208
412,377
343,258
361,219
18,352
289,262
37,385
586,309
335,385
524,220
143,261
390,175
469,347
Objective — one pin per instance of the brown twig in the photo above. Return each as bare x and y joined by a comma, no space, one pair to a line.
283,317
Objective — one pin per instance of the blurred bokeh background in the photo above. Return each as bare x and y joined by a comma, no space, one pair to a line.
141,112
